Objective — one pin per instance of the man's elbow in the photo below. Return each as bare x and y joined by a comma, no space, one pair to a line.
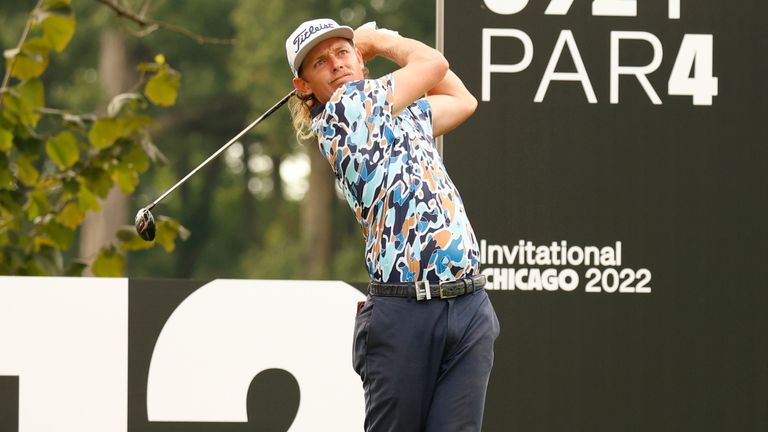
469,104
432,66
440,65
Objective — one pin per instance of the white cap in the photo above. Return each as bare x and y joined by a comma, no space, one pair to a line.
309,34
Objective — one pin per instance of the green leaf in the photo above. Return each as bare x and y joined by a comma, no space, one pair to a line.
38,204
137,159
132,124
60,236
163,87
75,269
14,106
70,187
126,177
109,263
6,141
105,132
58,30
24,99
25,171
130,241
32,93
31,61
7,180
126,233
167,231
11,201
30,268
49,261
63,150
29,146
71,216
98,180
87,199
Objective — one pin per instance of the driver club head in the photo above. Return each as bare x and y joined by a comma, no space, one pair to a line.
145,224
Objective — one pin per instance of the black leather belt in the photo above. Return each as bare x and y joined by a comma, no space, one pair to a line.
425,290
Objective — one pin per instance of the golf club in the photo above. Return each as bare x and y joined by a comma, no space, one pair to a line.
145,222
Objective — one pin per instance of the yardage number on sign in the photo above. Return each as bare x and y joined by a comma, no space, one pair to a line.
692,72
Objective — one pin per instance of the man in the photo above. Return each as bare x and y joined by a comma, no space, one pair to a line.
423,342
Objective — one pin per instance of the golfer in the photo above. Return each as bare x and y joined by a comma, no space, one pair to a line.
423,339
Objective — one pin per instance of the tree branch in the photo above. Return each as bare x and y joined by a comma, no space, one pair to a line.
151,25
23,38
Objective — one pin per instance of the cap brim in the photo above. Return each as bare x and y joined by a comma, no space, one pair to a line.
341,31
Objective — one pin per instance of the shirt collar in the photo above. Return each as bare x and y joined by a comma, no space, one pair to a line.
317,109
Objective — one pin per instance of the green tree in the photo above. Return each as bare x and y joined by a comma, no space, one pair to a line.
56,164
244,219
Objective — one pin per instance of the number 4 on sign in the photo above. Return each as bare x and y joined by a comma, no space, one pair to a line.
695,56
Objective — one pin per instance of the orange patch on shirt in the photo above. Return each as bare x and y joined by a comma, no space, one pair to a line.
448,205
443,238
430,180
408,225
414,265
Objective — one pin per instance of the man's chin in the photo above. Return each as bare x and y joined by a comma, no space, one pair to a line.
338,82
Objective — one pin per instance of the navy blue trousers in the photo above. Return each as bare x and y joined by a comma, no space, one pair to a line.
425,364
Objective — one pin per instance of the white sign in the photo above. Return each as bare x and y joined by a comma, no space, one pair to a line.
67,341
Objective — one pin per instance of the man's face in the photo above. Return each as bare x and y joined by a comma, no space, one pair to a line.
327,66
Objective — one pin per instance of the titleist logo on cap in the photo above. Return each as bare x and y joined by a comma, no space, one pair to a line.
303,36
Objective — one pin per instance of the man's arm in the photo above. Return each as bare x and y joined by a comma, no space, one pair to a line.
451,104
422,68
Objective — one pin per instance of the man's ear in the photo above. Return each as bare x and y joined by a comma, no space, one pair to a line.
302,86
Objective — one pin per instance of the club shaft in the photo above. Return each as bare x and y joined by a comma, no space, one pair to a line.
274,108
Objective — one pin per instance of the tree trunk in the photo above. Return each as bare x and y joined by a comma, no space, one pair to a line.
316,215
248,220
116,76
188,254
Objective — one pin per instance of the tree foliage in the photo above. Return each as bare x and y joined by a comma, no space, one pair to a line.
244,220
56,165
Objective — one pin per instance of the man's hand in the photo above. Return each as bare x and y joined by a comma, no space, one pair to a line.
365,38
366,42
421,67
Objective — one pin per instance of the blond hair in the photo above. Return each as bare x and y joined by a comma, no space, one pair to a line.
301,109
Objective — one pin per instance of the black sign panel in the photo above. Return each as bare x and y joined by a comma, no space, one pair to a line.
9,403
273,395
615,174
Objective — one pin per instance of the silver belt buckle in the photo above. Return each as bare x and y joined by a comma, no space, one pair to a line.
423,291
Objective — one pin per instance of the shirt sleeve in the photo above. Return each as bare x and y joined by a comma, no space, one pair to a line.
423,112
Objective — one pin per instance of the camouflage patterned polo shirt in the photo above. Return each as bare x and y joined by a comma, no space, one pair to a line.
394,181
